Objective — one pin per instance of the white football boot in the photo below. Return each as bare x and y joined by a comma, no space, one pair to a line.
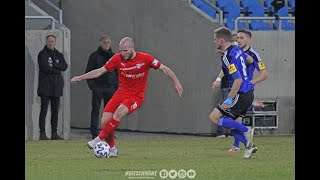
249,136
91,144
113,152
250,151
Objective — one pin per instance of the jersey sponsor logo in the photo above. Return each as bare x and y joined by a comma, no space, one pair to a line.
132,76
261,65
232,68
135,105
139,65
155,62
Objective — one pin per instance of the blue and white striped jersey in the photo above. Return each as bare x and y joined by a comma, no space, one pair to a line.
257,63
234,67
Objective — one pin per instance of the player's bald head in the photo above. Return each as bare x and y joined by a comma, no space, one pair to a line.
125,43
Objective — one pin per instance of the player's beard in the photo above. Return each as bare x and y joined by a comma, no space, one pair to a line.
219,48
129,56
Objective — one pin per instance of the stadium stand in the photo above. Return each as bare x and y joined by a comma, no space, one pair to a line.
292,4
205,8
285,24
248,3
268,7
292,7
257,10
232,9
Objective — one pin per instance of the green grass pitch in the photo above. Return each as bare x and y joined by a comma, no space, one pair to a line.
207,156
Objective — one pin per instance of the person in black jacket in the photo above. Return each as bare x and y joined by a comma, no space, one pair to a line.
103,87
50,85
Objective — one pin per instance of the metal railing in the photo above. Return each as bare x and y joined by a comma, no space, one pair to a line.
55,8
214,7
262,18
53,21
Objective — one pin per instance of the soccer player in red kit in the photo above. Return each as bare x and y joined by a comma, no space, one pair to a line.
133,68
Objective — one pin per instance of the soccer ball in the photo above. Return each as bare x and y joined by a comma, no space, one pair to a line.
101,149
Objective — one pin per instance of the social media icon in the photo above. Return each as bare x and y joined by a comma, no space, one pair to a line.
191,173
163,173
182,173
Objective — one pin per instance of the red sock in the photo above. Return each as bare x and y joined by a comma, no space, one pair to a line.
110,140
108,128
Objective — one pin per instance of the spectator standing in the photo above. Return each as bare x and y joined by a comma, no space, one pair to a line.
50,85
104,86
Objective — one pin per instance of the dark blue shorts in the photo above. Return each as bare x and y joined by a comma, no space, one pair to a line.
239,105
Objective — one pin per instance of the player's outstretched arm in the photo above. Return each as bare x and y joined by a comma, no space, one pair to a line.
216,83
90,75
168,72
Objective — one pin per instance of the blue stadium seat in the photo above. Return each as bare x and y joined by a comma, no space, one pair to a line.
208,10
231,11
258,11
267,4
205,8
259,25
229,7
292,4
231,25
222,4
197,2
248,3
285,24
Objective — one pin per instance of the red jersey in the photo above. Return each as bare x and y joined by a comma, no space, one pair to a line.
133,74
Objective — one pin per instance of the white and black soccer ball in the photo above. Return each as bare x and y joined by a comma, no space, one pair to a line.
101,149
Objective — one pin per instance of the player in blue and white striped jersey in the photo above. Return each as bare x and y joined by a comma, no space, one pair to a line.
240,95
244,42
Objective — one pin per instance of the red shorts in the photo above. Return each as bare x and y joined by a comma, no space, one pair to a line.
131,102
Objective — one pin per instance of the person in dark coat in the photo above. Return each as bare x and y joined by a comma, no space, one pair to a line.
103,87
50,85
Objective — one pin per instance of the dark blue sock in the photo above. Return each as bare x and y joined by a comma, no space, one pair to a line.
235,135
229,123
238,137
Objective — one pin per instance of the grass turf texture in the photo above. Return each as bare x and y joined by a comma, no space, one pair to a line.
208,156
